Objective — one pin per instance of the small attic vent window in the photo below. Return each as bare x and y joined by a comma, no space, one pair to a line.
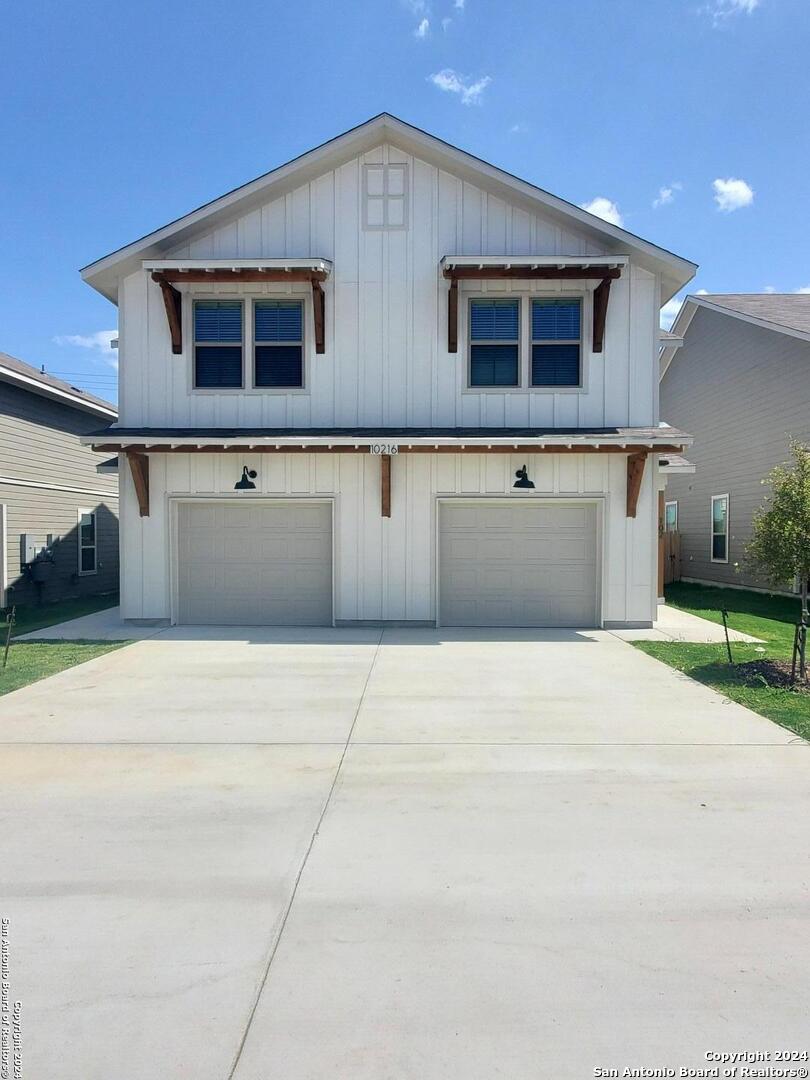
385,196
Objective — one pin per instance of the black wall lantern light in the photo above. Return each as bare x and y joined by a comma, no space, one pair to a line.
246,482
523,480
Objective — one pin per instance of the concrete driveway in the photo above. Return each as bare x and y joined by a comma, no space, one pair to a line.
411,854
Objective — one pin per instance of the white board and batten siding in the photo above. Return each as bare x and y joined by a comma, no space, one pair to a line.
386,569
386,361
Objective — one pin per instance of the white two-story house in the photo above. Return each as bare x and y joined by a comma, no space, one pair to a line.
389,382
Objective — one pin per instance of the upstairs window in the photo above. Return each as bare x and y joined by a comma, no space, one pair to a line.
494,342
278,336
556,341
217,344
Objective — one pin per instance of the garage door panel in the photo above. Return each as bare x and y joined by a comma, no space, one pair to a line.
531,564
264,564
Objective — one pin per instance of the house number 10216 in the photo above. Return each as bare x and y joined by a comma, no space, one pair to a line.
378,448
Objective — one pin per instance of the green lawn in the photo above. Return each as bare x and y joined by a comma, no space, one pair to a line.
770,618
30,661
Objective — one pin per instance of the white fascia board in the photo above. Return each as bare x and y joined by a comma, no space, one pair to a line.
682,323
321,265
57,394
534,260
257,442
677,470
103,274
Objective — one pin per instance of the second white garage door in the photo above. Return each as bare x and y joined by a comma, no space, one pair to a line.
517,564
255,564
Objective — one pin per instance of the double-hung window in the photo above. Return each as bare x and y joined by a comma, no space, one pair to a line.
218,344
278,342
87,542
719,528
556,341
495,342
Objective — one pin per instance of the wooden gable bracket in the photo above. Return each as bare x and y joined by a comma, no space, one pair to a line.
139,467
452,317
173,302
385,485
172,298
605,274
319,313
601,295
635,472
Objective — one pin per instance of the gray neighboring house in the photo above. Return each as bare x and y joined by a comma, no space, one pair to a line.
740,383
58,499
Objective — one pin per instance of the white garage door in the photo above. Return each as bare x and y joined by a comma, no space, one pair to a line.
517,564
256,564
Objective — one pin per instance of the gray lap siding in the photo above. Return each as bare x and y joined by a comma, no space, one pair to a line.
743,392
39,444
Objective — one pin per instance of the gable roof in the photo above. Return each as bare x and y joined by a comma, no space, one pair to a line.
784,313
18,373
104,273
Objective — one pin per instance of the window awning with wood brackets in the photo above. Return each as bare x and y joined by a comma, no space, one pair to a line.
528,268
170,273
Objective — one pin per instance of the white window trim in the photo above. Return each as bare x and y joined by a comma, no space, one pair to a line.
254,343
712,534
673,502
81,511
248,355
548,341
519,385
386,167
213,344
525,297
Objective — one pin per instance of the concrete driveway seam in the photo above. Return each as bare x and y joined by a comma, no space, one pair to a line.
274,947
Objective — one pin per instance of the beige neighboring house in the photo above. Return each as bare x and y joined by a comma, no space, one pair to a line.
740,383
58,498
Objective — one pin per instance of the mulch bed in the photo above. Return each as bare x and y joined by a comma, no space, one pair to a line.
776,673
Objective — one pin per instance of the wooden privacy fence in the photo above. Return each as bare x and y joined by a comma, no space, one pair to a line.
672,556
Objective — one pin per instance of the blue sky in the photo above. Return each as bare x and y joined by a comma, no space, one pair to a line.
686,119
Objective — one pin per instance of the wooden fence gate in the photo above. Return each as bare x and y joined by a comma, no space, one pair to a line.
672,556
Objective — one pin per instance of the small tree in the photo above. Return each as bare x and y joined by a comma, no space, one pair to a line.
780,545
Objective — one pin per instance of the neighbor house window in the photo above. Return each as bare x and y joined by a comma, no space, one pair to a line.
87,542
719,528
556,341
495,343
217,344
278,337
671,517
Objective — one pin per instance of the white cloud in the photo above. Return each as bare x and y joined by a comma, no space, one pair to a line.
669,312
769,288
422,29
701,292
459,5
721,10
518,129
453,83
666,194
802,289
732,194
446,22
605,209
99,342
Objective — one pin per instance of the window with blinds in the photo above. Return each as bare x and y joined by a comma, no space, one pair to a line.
217,344
278,343
556,341
495,342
